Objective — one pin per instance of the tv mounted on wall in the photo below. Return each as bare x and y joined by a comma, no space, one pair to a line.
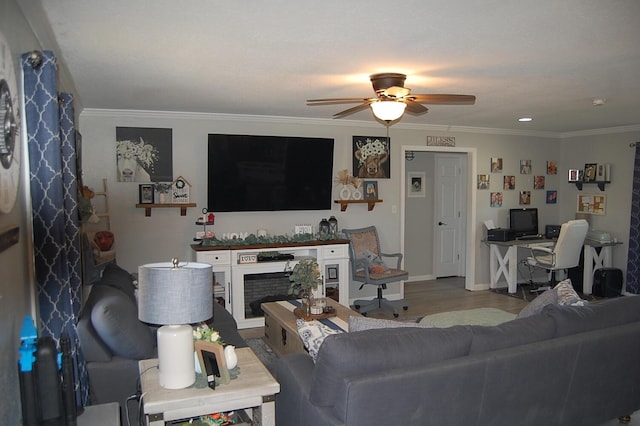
269,173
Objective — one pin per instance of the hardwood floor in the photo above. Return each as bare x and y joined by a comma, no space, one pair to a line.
449,294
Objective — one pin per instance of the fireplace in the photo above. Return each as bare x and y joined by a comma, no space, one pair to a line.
264,287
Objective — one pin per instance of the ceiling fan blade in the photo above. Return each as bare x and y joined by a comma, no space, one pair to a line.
353,110
443,99
415,108
333,101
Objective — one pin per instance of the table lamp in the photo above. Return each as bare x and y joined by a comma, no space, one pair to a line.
174,295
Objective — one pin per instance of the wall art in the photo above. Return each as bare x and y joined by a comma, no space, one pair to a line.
415,184
371,157
144,154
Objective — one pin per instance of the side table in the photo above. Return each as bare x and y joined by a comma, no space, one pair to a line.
254,388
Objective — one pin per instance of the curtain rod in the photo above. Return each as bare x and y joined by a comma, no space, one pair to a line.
632,144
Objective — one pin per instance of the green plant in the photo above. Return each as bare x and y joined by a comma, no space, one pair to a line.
305,276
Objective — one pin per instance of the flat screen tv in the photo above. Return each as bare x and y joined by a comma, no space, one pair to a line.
523,222
269,173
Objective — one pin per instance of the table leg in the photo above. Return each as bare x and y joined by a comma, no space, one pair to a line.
265,415
512,279
587,274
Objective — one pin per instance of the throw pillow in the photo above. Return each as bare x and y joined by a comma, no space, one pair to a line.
313,334
365,323
376,265
549,297
567,295
115,276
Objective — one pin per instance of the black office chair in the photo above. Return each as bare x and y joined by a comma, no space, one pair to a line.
367,267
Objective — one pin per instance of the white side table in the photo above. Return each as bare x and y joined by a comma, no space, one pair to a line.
100,415
254,388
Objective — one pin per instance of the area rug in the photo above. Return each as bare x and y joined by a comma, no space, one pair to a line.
478,316
263,352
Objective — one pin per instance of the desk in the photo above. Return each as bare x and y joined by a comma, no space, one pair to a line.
507,265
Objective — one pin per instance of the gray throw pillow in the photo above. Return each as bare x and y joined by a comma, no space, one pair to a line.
549,297
116,277
357,323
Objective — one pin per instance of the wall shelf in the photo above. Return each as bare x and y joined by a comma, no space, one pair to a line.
147,207
345,203
601,184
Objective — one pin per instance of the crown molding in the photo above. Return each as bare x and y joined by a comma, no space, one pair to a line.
165,115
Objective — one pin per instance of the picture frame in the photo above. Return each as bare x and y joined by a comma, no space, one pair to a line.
538,182
509,182
332,273
552,167
416,184
370,188
525,198
146,193
483,181
371,157
496,199
590,170
552,197
574,175
210,353
525,167
592,204
496,165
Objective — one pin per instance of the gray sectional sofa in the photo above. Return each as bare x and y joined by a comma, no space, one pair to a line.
563,366
113,340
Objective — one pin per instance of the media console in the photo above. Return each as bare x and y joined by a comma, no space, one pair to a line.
243,277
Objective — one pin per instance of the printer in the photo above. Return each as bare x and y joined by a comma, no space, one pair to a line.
499,234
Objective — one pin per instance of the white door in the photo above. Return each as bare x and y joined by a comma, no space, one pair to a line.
449,238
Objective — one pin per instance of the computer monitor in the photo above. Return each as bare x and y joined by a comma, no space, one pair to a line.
523,222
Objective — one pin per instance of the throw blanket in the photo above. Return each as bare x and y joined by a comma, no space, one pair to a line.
334,322
479,316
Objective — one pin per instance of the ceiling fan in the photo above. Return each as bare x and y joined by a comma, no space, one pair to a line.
392,99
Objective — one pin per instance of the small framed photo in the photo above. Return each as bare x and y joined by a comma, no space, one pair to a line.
574,175
496,199
145,193
601,174
496,165
552,197
370,189
525,167
415,185
509,182
332,273
538,182
483,181
552,167
212,361
525,198
590,172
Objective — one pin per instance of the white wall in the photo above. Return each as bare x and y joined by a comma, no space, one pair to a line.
141,239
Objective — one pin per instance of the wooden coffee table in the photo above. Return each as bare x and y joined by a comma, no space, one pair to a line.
281,331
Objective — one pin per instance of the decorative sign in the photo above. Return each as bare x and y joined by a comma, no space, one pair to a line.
180,190
441,141
247,258
303,229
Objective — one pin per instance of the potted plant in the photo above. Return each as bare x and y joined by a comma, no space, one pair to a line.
304,277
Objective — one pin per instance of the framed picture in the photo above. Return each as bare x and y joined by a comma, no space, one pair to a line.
538,182
370,189
483,181
212,361
509,182
371,157
496,165
552,197
332,273
592,204
496,199
525,198
145,193
525,167
415,184
601,173
590,172
552,167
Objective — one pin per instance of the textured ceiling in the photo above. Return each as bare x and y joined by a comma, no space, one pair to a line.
547,59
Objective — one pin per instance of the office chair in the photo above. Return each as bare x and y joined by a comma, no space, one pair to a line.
566,252
368,267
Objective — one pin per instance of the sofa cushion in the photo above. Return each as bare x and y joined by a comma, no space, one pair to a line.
116,277
115,318
567,294
520,331
313,334
609,313
357,323
372,351
548,297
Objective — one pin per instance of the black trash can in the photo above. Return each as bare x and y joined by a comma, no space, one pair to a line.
607,282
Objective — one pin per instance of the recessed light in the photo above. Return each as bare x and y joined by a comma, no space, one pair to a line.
525,119
598,101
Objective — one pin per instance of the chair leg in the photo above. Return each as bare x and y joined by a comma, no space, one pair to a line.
393,306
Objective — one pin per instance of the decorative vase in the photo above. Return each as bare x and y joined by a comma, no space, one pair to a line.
307,301
345,192
162,198
230,357
356,194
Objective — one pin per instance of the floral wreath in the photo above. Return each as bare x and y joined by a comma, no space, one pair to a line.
180,184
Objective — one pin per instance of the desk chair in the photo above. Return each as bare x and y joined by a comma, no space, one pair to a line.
368,267
566,252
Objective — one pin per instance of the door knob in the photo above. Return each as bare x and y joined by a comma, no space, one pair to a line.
441,223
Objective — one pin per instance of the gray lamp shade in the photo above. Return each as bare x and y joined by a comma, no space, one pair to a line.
168,295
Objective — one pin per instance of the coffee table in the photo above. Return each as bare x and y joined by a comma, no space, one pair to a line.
281,331
254,388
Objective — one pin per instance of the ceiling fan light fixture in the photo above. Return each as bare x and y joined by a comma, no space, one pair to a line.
388,110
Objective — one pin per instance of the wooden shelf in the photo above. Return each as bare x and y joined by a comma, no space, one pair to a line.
601,184
147,207
345,203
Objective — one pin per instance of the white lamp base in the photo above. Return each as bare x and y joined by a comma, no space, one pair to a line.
176,369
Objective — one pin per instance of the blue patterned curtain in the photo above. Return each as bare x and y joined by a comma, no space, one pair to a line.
54,198
633,256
